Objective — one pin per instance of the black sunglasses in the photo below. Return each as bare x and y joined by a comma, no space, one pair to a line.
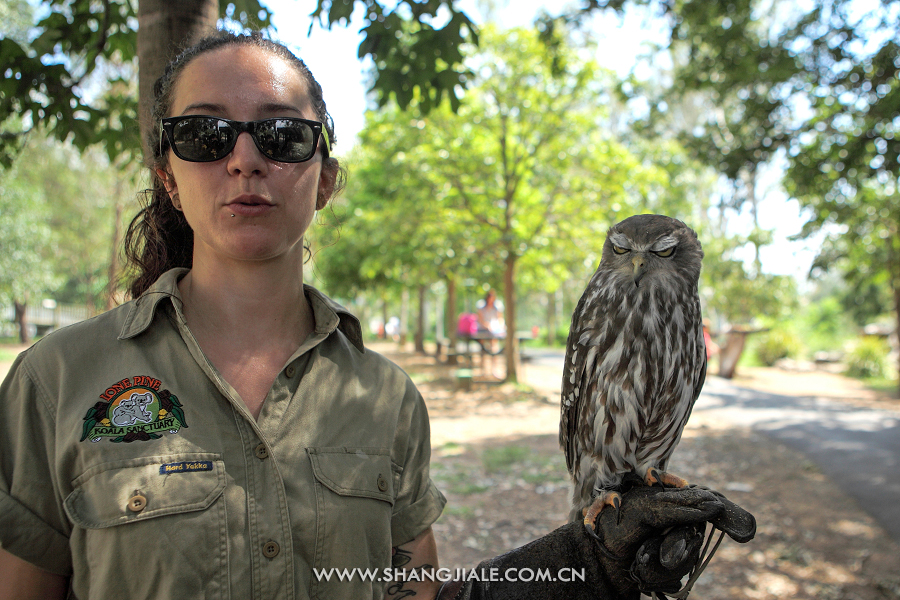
201,138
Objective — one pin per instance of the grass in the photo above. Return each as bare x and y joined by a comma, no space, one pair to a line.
458,511
503,457
7,355
883,385
457,479
501,463
418,377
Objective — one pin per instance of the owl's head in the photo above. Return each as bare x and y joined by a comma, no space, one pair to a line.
653,249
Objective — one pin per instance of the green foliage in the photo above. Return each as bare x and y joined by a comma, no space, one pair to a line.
775,345
823,324
414,59
63,208
81,45
868,358
51,79
25,241
736,293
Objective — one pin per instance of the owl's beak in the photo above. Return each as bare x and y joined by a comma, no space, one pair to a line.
638,262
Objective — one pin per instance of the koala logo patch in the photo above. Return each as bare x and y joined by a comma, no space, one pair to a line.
133,409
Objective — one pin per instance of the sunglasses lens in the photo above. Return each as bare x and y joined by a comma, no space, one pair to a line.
203,138
285,140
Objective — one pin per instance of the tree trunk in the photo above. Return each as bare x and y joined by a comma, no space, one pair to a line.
164,29
731,353
113,273
897,324
551,318
420,321
450,316
754,212
893,256
509,315
22,321
404,317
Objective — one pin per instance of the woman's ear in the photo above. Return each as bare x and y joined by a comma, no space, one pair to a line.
327,180
168,182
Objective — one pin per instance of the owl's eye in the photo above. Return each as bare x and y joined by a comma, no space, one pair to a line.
619,249
666,253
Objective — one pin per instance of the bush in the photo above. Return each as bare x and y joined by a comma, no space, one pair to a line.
775,345
868,358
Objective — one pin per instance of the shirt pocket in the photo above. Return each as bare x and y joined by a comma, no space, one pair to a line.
150,527
354,501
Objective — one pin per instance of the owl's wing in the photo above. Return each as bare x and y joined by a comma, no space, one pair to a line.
575,387
701,372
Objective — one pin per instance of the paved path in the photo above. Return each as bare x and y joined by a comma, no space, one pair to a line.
857,448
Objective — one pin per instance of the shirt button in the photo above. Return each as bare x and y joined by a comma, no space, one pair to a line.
290,370
271,549
382,483
261,452
137,503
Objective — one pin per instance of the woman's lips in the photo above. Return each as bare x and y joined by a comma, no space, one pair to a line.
249,206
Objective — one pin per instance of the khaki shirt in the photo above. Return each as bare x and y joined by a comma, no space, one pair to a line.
127,462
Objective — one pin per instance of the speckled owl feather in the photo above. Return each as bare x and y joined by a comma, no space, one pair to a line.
635,357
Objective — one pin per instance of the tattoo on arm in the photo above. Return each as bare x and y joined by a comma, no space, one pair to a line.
398,589
400,557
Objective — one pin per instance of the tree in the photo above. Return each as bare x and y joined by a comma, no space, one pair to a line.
390,231
861,219
822,84
79,46
80,43
523,167
25,246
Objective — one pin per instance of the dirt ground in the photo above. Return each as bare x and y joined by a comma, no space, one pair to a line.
497,459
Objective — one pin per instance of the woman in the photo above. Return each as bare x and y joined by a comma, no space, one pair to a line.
225,434
213,393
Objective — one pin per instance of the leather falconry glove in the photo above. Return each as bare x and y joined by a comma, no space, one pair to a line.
648,545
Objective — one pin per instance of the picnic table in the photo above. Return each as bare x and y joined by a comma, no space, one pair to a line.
482,345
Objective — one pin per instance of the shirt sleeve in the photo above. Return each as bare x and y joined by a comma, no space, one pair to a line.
419,503
33,525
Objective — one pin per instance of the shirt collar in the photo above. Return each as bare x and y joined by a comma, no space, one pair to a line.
327,314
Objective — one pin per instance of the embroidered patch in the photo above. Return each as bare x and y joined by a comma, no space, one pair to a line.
186,467
133,409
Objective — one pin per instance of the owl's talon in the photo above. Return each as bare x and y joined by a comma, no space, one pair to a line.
604,499
664,479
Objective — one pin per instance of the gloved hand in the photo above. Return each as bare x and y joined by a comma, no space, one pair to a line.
650,543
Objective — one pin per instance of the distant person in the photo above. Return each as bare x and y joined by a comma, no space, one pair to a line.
491,323
490,315
712,348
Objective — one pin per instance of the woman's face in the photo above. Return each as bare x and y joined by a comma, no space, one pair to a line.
245,206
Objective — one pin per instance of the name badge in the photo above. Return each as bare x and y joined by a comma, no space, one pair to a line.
186,467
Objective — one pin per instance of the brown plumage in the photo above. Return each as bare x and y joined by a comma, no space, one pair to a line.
635,358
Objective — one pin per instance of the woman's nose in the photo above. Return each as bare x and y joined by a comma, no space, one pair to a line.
245,158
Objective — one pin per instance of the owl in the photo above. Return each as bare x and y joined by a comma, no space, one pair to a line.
635,361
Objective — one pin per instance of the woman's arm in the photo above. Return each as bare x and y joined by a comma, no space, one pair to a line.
20,580
420,553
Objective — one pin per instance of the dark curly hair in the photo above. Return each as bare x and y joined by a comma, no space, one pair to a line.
159,238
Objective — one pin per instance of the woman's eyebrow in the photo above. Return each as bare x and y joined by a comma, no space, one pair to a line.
218,109
278,107
203,106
